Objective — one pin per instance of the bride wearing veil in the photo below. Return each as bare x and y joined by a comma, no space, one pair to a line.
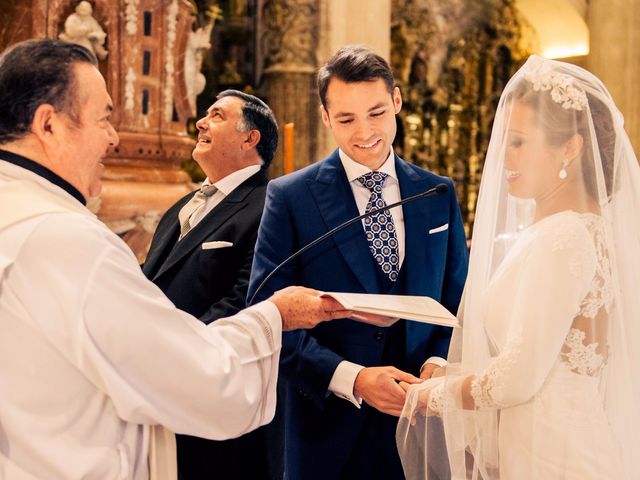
543,380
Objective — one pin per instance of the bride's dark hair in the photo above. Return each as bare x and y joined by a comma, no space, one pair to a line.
559,124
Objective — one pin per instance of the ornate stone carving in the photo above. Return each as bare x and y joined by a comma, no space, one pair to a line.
81,28
291,36
197,45
289,45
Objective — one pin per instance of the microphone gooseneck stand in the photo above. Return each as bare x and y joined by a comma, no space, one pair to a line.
439,189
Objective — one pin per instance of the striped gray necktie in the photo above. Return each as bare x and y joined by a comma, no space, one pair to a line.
192,206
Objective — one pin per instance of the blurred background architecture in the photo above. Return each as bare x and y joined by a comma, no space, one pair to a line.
165,60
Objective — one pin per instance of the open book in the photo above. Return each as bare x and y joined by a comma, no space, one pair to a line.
419,309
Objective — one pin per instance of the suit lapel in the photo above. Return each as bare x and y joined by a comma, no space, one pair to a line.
217,217
420,267
335,201
416,215
166,235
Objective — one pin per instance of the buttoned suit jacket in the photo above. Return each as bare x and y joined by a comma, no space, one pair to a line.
211,283
300,208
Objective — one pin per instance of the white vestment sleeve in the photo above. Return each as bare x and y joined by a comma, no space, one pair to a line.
157,364
161,365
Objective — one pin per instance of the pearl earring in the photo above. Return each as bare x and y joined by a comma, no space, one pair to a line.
563,173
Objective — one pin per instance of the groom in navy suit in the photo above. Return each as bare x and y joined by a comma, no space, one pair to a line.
340,392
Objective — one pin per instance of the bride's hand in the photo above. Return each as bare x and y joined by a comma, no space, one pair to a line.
404,385
423,400
439,372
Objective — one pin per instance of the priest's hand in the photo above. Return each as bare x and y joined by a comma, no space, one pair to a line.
378,386
302,307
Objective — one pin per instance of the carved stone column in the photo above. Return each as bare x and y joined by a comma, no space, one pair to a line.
614,39
289,43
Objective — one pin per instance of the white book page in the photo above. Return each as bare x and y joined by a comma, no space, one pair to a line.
419,309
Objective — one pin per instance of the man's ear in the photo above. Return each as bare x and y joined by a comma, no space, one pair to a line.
397,100
252,139
325,117
45,123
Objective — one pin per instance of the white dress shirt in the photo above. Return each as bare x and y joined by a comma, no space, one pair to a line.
92,354
390,192
344,377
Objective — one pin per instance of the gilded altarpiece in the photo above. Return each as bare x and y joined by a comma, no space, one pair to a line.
452,58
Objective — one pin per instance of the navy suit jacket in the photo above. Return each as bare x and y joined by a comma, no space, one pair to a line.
322,429
210,284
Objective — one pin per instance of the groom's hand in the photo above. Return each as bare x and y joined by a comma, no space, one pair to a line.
378,386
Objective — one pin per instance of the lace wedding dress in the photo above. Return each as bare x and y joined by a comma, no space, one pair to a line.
543,380
545,375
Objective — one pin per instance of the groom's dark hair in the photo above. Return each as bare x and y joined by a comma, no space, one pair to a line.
354,63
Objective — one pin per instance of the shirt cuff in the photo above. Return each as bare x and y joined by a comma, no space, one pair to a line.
343,381
441,362
270,313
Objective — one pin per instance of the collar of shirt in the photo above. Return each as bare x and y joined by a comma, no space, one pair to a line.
225,186
229,183
390,191
43,172
354,169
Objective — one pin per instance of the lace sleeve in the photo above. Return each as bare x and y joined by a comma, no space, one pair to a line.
436,397
487,389
535,309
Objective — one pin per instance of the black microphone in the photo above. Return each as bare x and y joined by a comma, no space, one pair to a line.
439,189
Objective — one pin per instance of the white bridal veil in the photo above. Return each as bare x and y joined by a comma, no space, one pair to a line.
543,378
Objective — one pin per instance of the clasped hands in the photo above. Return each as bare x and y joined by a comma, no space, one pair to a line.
385,388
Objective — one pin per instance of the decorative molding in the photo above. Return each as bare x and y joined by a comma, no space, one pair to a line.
172,20
129,91
131,16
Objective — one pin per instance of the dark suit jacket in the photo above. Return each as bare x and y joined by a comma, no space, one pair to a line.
211,284
321,429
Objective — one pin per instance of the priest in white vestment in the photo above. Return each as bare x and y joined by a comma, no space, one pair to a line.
93,357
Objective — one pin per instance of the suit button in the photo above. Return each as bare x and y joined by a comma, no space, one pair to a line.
378,335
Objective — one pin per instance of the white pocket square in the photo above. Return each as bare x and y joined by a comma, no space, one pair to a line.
441,228
216,244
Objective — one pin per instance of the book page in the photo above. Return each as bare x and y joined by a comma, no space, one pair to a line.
416,308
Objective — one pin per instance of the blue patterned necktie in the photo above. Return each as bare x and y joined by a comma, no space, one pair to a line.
380,229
